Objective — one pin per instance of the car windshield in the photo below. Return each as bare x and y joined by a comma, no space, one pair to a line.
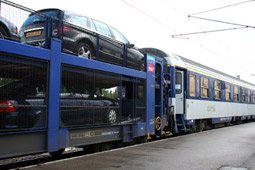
40,17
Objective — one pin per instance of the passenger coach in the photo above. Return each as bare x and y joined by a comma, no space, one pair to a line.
200,97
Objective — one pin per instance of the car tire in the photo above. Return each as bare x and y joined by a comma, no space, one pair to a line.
3,33
112,116
85,50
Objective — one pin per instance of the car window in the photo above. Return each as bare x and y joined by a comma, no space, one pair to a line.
102,28
24,87
75,92
91,24
40,90
79,21
40,17
118,36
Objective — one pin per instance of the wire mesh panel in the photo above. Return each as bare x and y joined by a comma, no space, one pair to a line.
133,100
140,100
12,17
23,87
88,98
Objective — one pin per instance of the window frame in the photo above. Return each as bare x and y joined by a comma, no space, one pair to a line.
96,23
179,91
75,18
253,97
243,94
123,40
236,97
195,85
229,92
215,84
249,96
203,87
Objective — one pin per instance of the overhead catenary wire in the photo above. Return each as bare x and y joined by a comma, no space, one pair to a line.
219,8
221,56
207,31
148,15
222,22
200,45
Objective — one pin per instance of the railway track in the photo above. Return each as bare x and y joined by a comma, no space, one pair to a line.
38,159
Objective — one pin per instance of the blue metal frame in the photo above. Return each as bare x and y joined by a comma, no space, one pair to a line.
100,66
172,90
24,50
150,95
54,100
160,62
58,137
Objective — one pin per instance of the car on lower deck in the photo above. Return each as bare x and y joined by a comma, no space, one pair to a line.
23,105
82,36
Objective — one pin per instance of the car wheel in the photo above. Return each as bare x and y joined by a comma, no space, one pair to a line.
112,116
86,51
3,33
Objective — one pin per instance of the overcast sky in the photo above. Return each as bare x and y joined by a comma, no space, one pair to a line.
150,23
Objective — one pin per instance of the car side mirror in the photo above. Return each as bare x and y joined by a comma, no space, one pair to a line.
130,45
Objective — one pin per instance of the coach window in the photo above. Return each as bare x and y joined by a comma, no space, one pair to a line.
178,83
253,97
236,95
217,89
243,94
192,85
249,96
204,87
228,92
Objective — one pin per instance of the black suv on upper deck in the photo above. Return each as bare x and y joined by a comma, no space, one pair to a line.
79,36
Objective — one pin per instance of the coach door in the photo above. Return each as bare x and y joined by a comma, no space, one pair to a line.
179,92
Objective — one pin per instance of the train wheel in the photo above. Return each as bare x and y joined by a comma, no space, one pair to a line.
158,123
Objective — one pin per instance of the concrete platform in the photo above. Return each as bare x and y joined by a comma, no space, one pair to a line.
230,148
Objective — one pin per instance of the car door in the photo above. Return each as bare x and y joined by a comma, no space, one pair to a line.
109,49
121,43
132,57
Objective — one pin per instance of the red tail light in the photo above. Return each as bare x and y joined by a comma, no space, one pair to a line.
65,30
16,30
7,106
